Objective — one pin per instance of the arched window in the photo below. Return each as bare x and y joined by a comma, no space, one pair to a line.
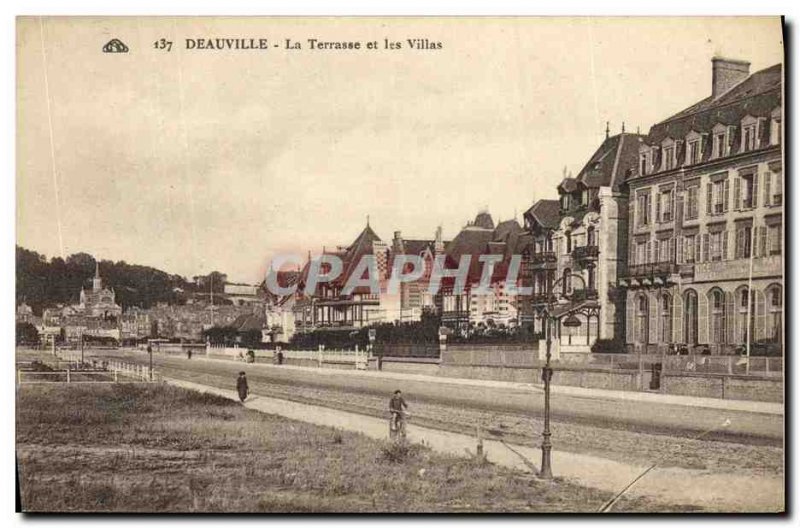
566,282
665,318
640,330
568,238
717,306
774,313
742,297
690,316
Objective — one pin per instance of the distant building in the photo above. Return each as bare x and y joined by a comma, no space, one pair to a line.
99,301
329,307
241,294
415,296
463,311
25,314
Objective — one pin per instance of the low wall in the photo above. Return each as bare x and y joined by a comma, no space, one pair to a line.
485,372
421,350
426,366
754,388
515,356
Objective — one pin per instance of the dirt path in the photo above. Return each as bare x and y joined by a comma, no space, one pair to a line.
711,491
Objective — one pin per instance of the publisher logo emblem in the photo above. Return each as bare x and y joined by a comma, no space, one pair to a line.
115,46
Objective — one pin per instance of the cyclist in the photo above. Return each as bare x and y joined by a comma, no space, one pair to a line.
397,406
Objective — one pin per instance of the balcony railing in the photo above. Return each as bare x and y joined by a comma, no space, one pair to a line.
585,252
653,269
543,257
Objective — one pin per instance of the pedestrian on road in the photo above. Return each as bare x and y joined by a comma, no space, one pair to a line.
241,386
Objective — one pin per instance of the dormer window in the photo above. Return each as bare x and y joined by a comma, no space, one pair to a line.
669,157
749,134
643,163
719,146
693,152
585,197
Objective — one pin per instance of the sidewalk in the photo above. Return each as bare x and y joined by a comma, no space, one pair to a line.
579,392
713,491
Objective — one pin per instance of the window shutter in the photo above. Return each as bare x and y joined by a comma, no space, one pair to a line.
737,193
760,330
677,319
767,183
679,250
652,327
724,245
673,254
762,243
685,205
729,311
709,188
658,207
697,248
733,139
680,151
656,159
725,196
740,243
754,201
763,133
702,318
630,319
705,146
672,206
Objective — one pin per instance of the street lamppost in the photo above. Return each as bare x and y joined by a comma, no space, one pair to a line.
547,372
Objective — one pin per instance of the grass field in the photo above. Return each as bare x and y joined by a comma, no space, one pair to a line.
137,448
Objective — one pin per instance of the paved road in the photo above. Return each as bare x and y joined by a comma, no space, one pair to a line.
713,492
746,427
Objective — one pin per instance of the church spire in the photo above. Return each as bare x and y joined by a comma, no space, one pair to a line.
97,282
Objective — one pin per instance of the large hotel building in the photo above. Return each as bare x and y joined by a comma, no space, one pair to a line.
705,230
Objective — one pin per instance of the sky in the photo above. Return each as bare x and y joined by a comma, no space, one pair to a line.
199,160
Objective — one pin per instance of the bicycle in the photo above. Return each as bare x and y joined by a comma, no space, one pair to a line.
397,424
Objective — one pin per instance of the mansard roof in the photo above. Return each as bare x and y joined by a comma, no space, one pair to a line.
612,162
757,96
546,213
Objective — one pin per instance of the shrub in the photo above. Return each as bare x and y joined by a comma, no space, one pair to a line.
398,452
608,346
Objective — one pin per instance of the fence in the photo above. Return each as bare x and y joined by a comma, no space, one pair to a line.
694,363
91,370
358,358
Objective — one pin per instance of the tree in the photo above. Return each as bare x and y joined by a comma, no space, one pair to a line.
27,334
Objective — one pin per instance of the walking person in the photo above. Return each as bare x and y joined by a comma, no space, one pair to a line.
241,386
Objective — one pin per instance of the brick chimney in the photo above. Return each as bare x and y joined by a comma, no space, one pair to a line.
727,73
397,243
